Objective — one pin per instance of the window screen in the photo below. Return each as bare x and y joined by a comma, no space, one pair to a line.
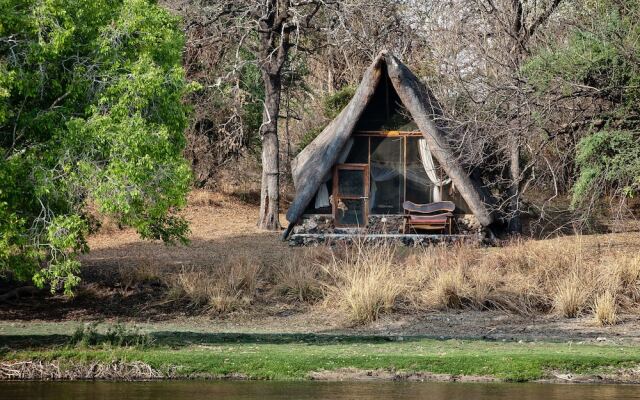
351,212
359,153
387,180
351,182
393,178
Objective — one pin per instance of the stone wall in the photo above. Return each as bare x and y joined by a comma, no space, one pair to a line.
466,224
402,240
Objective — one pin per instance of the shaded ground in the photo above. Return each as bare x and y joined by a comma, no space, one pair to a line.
224,227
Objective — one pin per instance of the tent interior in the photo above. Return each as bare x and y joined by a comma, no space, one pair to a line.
385,162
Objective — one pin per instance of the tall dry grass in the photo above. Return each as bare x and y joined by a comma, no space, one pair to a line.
224,288
363,282
605,309
564,276
301,278
571,295
139,273
561,276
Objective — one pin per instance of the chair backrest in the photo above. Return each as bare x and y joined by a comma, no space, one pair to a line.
438,206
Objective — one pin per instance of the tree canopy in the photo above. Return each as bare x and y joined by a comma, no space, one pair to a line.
598,67
91,123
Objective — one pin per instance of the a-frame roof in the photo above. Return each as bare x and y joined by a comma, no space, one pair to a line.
313,163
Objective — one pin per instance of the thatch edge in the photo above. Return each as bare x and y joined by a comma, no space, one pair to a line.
323,152
426,112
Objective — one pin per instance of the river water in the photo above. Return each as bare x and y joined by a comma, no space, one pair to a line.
226,390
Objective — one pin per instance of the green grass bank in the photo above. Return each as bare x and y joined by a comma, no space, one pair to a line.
299,356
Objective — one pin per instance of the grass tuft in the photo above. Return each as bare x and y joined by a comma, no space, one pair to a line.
605,309
363,283
570,297
227,288
561,276
300,280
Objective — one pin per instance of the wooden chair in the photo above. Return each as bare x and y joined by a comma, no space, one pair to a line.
433,216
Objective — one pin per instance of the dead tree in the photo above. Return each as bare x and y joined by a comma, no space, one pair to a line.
268,29
482,46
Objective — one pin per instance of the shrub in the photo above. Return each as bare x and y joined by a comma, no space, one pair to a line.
85,336
117,335
331,107
308,137
334,103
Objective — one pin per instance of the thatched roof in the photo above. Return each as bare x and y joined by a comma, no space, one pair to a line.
313,163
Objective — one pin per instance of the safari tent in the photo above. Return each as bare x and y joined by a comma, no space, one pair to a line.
389,147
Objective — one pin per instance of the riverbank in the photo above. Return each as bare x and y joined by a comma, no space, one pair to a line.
240,304
322,357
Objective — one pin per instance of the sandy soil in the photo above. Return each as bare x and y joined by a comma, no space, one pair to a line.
224,227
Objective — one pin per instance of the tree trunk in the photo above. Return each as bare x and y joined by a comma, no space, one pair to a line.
270,190
515,225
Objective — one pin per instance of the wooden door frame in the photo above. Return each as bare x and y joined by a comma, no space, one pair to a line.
359,167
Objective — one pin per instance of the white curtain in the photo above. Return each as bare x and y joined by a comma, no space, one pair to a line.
430,169
322,197
380,173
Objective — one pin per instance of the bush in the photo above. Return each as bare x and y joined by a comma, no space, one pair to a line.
117,335
331,107
91,120
308,137
334,103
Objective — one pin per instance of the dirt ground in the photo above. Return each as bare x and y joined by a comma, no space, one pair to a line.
223,227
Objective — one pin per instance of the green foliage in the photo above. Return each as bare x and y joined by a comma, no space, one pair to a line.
331,107
253,106
85,336
91,116
308,137
118,335
601,61
608,159
334,103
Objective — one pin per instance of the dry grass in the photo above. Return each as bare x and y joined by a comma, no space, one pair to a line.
562,276
447,289
138,273
570,296
229,262
202,198
363,282
229,287
605,309
301,278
